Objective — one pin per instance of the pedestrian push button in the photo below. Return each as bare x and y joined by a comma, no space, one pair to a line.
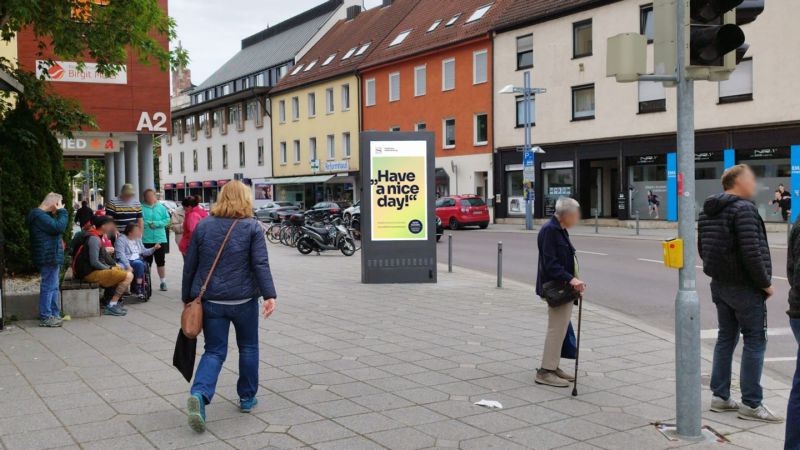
673,253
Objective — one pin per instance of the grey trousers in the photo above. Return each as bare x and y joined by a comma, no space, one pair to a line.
557,323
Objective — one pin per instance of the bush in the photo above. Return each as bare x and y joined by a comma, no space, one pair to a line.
31,165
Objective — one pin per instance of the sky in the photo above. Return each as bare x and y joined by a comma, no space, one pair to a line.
212,30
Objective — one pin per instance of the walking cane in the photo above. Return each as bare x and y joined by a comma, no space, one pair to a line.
578,346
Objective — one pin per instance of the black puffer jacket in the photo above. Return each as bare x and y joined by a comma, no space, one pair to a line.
793,270
732,241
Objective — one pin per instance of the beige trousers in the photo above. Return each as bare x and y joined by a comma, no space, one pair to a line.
557,323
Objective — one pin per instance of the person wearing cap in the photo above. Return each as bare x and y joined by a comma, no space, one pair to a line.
92,263
125,209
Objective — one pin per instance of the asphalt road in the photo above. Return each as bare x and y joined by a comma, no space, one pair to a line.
626,275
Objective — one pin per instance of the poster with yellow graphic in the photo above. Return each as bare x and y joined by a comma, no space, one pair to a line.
398,184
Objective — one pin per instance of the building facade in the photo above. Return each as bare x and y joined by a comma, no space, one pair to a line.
609,144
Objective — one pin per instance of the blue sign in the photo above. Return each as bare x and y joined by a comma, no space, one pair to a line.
528,167
730,158
672,187
794,186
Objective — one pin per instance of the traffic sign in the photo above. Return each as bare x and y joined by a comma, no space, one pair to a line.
528,167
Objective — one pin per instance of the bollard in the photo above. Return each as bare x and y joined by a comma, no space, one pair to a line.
500,264
450,253
637,223
595,222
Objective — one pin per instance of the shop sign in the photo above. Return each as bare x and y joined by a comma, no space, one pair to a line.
83,144
263,191
795,181
645,160
337,166
68,72
763,153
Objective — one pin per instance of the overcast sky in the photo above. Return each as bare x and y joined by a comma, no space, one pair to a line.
212,30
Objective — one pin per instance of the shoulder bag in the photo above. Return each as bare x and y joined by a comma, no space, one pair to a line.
192,315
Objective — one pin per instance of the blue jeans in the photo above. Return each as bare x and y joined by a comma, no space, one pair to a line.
739,310
138,267
793,410
49,291
217,319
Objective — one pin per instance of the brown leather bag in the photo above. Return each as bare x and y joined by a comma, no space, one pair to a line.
192,315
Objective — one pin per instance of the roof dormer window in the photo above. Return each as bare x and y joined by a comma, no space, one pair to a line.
400,38
452,20
310,65
349,53
329,59
435,25
479,13
297,69
363,49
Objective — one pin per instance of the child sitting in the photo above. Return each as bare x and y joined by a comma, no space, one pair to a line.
130,253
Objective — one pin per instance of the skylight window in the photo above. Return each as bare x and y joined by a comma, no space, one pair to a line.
363,49
479,13
435,25
310,65
400,38
329,59
297,69
452,20
349,53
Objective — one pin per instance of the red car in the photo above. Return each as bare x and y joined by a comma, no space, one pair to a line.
462,210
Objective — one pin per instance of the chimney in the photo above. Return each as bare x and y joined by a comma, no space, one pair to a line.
353,12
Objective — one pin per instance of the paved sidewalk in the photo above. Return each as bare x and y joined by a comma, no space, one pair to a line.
351,366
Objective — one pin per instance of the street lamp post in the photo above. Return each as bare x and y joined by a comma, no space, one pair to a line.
529,152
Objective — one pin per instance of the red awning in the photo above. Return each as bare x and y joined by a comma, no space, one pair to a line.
168,186
195,184
180,185
209,183
221,183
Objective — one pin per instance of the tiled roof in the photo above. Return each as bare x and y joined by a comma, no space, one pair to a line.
421,19
273,45
523,12
328,55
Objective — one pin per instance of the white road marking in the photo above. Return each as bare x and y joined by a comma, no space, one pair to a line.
592,253
782,331
780,278
781,359
650,260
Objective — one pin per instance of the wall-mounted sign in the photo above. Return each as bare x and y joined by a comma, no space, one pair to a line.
645,160
314,166
67,72
158,122
337,166
763,153
87,144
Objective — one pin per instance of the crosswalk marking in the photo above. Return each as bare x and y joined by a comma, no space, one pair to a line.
711,333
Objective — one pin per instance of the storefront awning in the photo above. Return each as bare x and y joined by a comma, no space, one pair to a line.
300,180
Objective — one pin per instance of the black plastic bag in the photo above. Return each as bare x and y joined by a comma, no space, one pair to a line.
184,356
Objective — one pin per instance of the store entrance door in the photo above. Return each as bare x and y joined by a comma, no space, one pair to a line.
598,193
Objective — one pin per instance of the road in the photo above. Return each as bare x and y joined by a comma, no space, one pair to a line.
626,275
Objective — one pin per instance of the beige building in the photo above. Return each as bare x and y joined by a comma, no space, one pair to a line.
605,139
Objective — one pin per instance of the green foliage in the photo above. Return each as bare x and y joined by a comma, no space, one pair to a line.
31,165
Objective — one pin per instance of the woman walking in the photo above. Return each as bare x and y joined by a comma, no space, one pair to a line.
235,284
557,263
46,224
154,234
193,214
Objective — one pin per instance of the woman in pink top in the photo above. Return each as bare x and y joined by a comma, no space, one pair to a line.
193,215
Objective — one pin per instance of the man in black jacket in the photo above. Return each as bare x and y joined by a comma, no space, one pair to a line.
732,241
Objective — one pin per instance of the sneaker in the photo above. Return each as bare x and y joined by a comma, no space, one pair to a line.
196,407
50,322
247,405
759,414
163,286
549,378
719,405
115,310
564,375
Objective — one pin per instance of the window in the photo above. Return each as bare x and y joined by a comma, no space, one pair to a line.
525,52
329,59
448,74
479,13
209,158
183,169
195,164
370,94
310,65
481,134
349,53
312,148
420,126
260,151
241,154
394,129
739,87
295,108
394,87
252,111
363,49
297,152
652,97
646,24
582,39
400,38
282,71
331,147
420,81
345,97
583,102
452,20
169,163
312,104
449,134
282,111
346,144
224,156
297,69
480,71
329,101
283,155
260,79
435,25
521,111
226,89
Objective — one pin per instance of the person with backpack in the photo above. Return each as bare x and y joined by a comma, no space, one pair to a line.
130,252
93,264
46,224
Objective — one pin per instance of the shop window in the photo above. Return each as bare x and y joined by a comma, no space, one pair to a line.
394,87
449,74
646,22
209,159
481,134
525,52
241,154
297,152
420,81
583,102
224,156
283,155
521,111
312,104
739,87
260,151
480,71
369,87
312,148
449,134
515,193
195,164
652,97
582,39
346,144
345,97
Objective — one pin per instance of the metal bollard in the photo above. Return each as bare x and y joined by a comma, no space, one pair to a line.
637,223
500,264
595,222
450,253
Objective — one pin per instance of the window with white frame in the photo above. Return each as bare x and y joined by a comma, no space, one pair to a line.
363,49
394,128
195,161
295,108
480,67
479,13
283,156
739,87
329,59
312,104
583,102
329,101
449,74
345,97
525,52
400,38
394,87
312,148
647,22
282,111
369,96
346,145
521,111
652,97
481,129
297,155
349,53
449,135
420,81
420,126
434,25
331,146
260,151
452,20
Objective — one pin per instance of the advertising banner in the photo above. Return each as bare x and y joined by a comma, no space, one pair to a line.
67,71
398,184
795,181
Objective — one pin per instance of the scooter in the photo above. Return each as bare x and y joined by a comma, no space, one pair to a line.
331,237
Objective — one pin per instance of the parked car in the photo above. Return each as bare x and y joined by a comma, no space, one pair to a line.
327,209
463,210
270,211
351,212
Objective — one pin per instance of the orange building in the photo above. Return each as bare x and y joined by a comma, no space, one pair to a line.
433,72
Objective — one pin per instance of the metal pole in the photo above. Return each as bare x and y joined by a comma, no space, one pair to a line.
687,302
500,264
528,143
596,225
450,253
637,222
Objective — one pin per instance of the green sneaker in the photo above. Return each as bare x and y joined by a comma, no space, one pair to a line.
114,311
196,407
